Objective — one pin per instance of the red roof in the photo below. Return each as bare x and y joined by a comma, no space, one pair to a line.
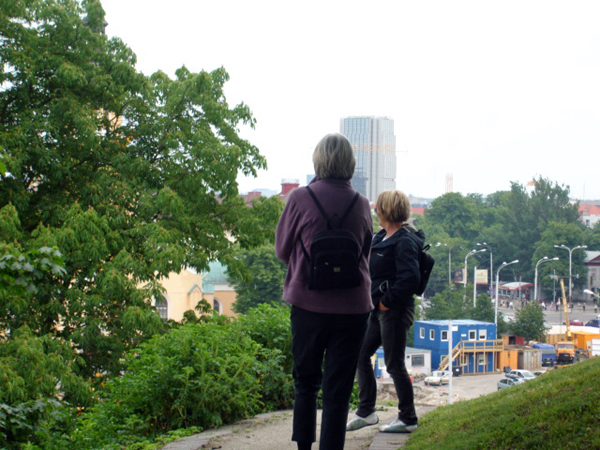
418,211
590,210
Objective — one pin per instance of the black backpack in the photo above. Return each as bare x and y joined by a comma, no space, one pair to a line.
334,253
426,263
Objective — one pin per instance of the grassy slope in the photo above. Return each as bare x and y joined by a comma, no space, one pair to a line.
558,410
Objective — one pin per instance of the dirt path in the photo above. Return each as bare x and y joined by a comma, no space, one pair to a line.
273,431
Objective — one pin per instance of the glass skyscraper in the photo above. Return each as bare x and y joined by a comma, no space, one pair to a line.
374,145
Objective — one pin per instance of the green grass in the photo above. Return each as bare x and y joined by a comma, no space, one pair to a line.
558,410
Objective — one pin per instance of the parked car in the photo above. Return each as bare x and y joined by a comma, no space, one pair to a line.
575,322
437,378
521,375
593,323
507,382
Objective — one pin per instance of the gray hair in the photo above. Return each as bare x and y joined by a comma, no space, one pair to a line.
333,158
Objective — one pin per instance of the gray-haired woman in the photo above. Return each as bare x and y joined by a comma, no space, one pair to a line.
328,326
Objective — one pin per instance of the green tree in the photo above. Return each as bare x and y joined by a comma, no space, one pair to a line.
131,177
263,282
449,304
529,322
524,215
455,215
592,237
452,304
570,235
446,251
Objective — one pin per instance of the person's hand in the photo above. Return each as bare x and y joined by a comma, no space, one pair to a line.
382,307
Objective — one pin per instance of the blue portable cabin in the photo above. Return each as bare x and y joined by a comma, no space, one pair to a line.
475,341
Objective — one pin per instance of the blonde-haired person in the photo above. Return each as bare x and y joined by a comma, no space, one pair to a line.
328,326
394,269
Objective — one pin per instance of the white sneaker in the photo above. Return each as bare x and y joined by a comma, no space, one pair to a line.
357,422
397,426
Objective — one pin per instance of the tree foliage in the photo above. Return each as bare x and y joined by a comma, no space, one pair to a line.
130,177
529,322
453,304
556,233
454,214
263,280
523,223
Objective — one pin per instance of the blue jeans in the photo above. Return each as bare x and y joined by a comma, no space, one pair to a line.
389,328
335,339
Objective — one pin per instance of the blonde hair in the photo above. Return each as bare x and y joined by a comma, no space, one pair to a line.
334,158
393,206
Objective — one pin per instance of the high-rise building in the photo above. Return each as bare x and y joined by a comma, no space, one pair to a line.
374,145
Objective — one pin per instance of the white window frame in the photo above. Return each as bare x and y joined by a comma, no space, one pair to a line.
422,332
483,335
472,335
444,335
162,307
432,335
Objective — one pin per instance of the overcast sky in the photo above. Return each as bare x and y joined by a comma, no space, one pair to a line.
487,91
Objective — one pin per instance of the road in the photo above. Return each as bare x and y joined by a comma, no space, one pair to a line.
553,317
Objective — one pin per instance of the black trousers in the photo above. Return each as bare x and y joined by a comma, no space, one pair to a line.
325,348
389,328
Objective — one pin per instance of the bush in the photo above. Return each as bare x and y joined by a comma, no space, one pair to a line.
39,383
269,325
202,375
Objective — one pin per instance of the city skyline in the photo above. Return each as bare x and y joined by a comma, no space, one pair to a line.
489,92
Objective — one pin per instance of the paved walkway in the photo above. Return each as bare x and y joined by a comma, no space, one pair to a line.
272,431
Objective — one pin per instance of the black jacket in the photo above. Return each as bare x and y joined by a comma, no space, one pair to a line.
394,267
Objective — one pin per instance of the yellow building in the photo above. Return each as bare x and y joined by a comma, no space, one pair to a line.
184,290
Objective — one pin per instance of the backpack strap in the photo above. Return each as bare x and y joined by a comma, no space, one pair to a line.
324,214
354,200
322,210
318,203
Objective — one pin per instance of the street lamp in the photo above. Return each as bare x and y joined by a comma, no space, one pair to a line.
449,261
472,252
502,266
485,244
535,282
570,250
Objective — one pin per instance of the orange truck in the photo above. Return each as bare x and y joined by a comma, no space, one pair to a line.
565,352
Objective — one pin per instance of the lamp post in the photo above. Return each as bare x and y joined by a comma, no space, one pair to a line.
449,261
472,252
502,266
485,244
570,250
535,282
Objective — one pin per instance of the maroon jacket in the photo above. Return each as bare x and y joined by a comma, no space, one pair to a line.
301,219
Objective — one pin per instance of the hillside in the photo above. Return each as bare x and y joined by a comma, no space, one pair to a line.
558,410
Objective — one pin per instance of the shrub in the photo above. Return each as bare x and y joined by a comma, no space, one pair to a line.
269,325
39,376
202,375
